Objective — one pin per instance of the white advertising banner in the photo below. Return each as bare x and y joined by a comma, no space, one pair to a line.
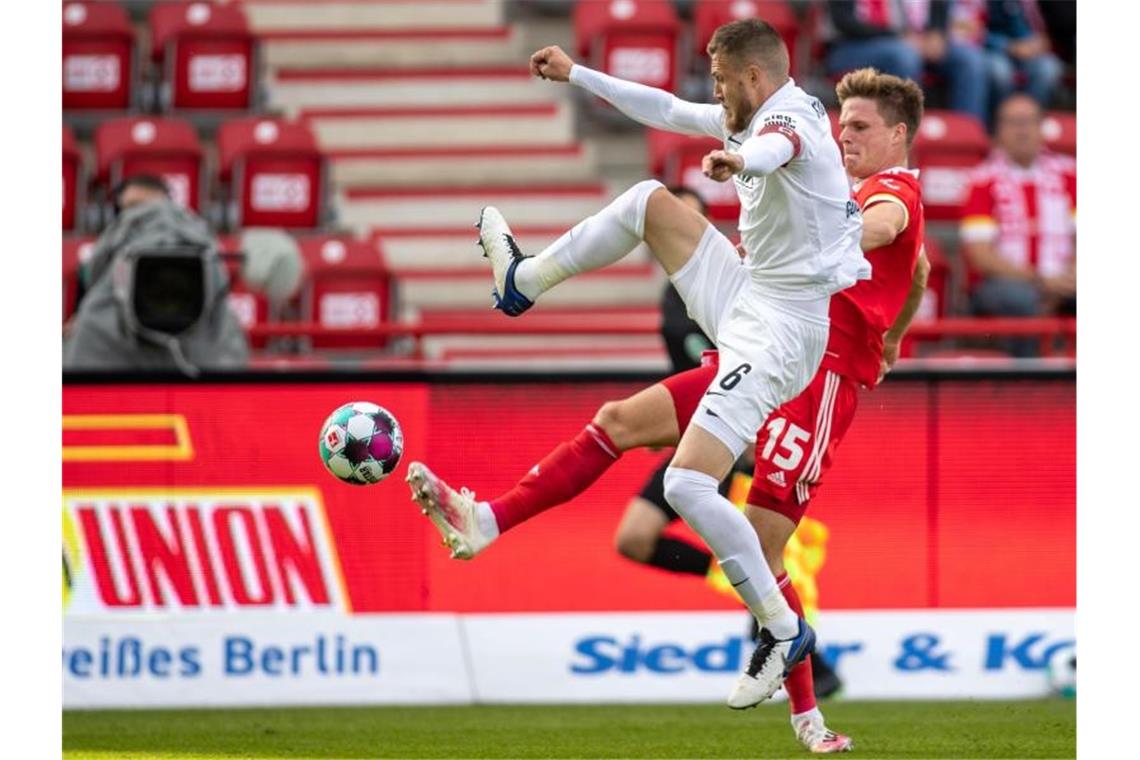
329,657
679,657
246,659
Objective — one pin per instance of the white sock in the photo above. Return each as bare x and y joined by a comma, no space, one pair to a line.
813,715
485,519
595,242
733,540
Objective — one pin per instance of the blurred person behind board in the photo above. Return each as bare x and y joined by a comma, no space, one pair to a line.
1018,228
154,291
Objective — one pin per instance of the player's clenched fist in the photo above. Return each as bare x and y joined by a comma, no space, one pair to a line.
551,63
720,165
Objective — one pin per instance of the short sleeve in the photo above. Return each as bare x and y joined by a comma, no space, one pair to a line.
978,224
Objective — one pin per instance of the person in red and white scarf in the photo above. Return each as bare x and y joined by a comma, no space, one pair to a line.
1018,228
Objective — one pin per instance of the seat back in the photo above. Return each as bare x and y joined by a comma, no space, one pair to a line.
630,39
275,173
347,286
207,55
166,147
948,145
98,55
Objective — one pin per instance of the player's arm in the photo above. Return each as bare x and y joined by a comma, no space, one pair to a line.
759,156
647,105
884,219
892,339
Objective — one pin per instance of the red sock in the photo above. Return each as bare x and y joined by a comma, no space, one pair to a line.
799,684
562,474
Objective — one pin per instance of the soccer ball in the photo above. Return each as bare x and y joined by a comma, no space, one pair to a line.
1061,670
361,443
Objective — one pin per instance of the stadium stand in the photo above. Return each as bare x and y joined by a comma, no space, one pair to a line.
630,39
947,146
375,130
163,146
72,179
206,54
273,173
98,57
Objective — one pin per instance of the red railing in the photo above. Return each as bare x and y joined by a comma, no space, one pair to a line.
1049,330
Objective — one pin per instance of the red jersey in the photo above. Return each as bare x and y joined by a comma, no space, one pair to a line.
863,312
1027,212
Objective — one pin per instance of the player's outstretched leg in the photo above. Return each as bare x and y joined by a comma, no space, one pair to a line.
499,246
646,211
454,513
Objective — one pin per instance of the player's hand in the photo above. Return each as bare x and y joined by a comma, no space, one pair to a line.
741,252
720,165
890,356
551,63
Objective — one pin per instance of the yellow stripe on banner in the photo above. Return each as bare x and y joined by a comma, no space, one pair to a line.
181,451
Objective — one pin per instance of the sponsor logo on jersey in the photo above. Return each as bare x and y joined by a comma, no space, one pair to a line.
188,551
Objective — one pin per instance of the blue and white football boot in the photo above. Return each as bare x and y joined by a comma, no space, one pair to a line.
771,662
500,247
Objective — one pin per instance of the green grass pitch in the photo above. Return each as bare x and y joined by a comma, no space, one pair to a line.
981,729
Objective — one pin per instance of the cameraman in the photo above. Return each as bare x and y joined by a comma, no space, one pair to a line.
154,291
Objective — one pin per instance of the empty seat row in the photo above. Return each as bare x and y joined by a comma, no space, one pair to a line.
270,171
346,285
203,57
641,40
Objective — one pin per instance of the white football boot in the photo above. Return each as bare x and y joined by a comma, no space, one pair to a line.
817,738
452,512
500,247
771,662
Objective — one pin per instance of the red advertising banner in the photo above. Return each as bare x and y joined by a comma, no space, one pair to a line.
196,497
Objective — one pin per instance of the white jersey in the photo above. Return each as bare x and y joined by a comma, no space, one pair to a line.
798,224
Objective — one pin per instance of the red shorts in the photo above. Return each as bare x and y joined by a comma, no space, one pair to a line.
796,444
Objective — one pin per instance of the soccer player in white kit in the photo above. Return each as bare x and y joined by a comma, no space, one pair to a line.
769,318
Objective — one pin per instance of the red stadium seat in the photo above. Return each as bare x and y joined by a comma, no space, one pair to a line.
71,178
1060,130
708,15
937,298
676,159
630,39
275,173
76,250
947,147
165,147
347,286
250,306
98,49
207,55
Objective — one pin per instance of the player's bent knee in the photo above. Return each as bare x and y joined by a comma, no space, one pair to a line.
686,487
608,418
634,545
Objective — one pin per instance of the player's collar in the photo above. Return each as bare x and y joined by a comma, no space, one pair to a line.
893,170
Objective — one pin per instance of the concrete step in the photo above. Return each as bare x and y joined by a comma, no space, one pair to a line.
519,125
453,249
549,165
295,89
447,206
604,288
279,15
396,48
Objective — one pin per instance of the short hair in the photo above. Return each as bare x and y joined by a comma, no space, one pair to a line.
145,181
898,100
679,190
750,40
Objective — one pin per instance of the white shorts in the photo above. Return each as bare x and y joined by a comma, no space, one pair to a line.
769,349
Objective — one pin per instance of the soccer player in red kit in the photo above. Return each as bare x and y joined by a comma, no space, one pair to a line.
879,118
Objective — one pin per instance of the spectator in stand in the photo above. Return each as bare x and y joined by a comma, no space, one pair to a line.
1013,36
1018,229
904,38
